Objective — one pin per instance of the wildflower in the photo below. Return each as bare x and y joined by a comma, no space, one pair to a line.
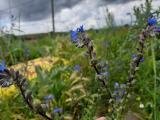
74,36
141,105
142,59
77,68
115,92
134,56
74,33
58,110
105,74
2,66
119,91
157,29
116,85
49,97
80,29
152,21
124,92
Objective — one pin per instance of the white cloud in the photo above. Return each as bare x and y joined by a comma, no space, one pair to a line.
87,12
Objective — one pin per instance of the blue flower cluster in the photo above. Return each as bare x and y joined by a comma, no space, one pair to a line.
74,33
2,66
134,56
49,97
103,68
152,21
119,91
5,80
57,110
81,29
77,68
74,36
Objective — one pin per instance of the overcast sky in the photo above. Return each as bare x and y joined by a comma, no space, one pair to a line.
35,15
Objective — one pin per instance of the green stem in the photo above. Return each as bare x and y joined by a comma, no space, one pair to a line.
155,82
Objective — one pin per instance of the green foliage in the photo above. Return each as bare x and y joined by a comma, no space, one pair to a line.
79,93
110,19
143,12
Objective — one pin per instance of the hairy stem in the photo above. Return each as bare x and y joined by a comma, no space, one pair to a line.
27,101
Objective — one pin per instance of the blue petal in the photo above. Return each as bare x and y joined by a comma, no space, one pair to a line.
116,84
152,21
77,68
106,74
74,35
58,110
142,59
2,66
49,97
134,56
80,29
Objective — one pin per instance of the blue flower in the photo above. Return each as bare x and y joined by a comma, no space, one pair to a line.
142,59
74,33
58,110
77,68
116,85
49,97
134,56
115,92
74,36
106,74
152,21
157,29
2,66
80,29
124,92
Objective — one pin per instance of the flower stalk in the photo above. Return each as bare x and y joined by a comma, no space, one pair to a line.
11,77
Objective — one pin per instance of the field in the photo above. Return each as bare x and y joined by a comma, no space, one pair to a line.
97,74
62,79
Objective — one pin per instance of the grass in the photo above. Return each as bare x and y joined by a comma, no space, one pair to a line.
155,80
81,97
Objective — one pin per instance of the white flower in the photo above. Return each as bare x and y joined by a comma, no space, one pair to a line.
141,105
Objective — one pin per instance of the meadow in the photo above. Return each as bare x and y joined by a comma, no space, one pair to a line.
66,85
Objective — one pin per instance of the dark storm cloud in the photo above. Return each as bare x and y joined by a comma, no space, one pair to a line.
35,10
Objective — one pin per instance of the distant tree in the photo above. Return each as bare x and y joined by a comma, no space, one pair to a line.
110,20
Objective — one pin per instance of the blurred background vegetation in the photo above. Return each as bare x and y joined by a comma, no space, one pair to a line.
76,90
